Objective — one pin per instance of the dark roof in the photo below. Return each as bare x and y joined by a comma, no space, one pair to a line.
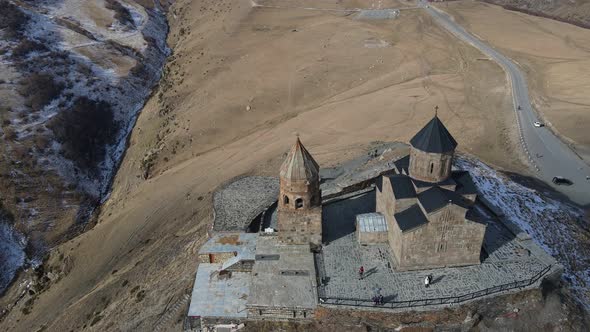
436,198
379,183
476,216
402,164
402,186
465,185
434,138
410,218
423,184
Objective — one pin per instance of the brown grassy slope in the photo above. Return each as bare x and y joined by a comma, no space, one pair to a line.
576,12
555,57
299,71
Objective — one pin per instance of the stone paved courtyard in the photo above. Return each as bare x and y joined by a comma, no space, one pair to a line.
505,259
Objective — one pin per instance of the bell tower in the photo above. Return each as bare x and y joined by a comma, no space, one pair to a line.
431,153
300,198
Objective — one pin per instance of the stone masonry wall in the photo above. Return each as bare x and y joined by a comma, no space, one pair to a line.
291,191
218,257
447,240
430,167
300,226
280,313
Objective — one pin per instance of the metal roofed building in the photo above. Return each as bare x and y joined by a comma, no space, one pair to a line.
283,281
371,228
218,297
224,246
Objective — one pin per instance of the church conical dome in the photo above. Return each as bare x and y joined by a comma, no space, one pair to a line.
299,165
434,138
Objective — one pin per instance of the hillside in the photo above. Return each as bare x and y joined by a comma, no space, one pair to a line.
240,83
571,11
554,57
241,80
73,76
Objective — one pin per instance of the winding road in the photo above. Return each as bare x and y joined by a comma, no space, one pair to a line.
547,154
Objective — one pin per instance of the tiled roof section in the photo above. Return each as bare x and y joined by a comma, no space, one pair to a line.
436,198
402,164
402,186
299,165
465,185
410,218
371,222
434,138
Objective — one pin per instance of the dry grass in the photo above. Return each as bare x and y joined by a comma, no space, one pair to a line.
554,55
299,71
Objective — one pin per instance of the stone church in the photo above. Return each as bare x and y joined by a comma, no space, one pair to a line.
300,198
427,206
423,210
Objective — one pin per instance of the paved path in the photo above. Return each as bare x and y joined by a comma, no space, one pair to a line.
548,155
508,259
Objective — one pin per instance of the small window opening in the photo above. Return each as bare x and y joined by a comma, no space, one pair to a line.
298,203
286,200
431,168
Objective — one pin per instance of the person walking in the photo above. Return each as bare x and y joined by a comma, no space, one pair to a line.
361,273
427,281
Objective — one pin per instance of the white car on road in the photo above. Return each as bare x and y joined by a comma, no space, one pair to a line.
538,124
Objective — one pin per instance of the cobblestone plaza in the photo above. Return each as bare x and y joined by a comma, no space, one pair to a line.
505,259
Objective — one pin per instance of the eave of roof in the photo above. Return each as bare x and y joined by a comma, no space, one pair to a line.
410,218
436,198
434,138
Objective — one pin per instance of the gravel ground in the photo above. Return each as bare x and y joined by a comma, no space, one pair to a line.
240,201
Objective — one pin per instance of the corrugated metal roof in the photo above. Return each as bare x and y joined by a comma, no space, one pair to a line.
219,297
371,222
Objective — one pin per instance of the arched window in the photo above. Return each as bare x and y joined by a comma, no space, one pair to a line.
299,203
285,200
431,168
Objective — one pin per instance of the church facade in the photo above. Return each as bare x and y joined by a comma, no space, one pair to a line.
424,211
428,207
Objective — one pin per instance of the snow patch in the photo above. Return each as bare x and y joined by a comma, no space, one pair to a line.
12,254
557,227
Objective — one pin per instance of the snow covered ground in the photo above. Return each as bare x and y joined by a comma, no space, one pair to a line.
89,52
557,227
12,254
